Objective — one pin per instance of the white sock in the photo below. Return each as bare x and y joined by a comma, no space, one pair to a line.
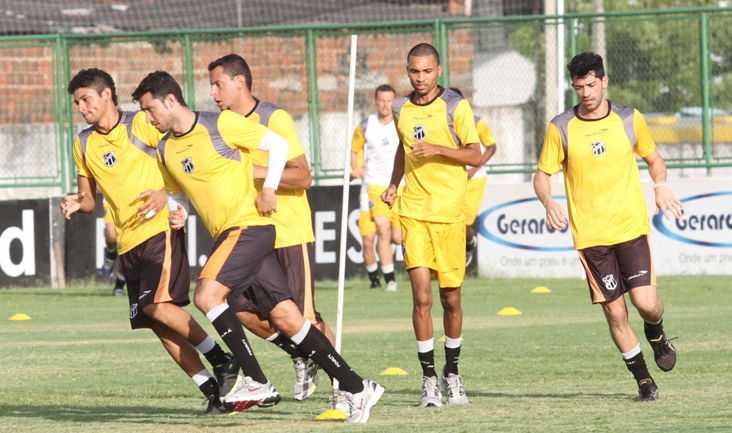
651,323
273,336
387,268
634,351
372,268
425,346
216,311
206,345
201,377
297,338
453,343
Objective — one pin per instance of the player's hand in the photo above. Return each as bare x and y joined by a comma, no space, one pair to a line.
555,217
423,149
259,171
71,203
358,172
266,202
667,203
177,218
389,196
153,201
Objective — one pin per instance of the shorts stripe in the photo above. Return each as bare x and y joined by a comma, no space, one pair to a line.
309,305
653,268
216,262
162,294
597,295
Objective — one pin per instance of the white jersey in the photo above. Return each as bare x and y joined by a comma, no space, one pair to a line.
363,197
379,150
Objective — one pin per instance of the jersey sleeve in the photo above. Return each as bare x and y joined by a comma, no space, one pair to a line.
238,131
145,131
552,154
358,140
281,123
644,144
465,124
485,134
81,168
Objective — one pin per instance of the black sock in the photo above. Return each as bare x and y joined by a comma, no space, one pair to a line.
452,356
389,276
322,352
653,332
287,345
111,253
217,356
210,389
374,276
637,366
230,330
427,359
120,283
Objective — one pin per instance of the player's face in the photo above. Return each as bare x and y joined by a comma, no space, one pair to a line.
224,89
383,102
590,90
157,112
91,105
423,74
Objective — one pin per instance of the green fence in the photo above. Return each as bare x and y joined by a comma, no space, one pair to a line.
673,65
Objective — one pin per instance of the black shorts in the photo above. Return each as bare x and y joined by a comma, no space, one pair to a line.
297,265
613,270
156,271
243,260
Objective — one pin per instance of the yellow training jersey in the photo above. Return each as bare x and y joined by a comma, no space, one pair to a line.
212,164
435,186
601,178
486,140
292,219
123,163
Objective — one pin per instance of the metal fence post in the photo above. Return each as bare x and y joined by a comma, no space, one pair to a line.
68,125
191,92
706,101
445,50
313,105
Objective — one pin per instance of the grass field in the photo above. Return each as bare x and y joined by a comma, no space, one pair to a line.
76,366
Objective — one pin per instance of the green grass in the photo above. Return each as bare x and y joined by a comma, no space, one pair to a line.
77,367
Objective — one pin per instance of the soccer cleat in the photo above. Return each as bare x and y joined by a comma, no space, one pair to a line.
453,385
470,250
375,284
118,291
227,376
647,390
664,352
360,404
306,378
340,402
215,407
391,286
431,395
248,393
110,258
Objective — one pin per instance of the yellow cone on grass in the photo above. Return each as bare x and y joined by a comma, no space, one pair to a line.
540,289
395,371
332,414
509,311
20,316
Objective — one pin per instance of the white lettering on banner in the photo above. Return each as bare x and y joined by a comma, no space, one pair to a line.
353,255
101,243
322,235
26,236
191,235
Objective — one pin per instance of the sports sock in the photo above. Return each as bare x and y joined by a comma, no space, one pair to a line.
426,356
636,363
206,383
311,341
285,344
120,283
212,351
653,330
374,276
230,330
388,271
452,354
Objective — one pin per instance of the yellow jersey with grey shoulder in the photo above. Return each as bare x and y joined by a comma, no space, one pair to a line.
435,186
292,220
601,178
212,164
123,164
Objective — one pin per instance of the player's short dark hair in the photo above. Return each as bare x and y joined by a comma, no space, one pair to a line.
384,88
583,64
159,84
233,65
423,50
457,90
93,78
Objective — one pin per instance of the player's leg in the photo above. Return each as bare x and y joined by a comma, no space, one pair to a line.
368,234
110,251
473,198
383,232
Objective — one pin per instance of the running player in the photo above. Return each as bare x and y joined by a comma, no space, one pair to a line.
437,130
110,252
594,144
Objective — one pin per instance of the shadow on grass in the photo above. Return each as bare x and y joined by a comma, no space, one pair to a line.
569,395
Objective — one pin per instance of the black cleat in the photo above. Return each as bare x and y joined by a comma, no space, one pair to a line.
226,376
647,390
663,352
375,285
215,407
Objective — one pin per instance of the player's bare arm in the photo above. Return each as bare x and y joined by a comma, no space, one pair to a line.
397,173
296,174
483,159
177,218
555,216
666,202
357,171
468,155
83,201
153,201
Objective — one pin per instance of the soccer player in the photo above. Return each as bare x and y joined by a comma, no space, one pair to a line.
377,138
476,183
110,252
231,81
116,154
593,143
208,156
437,131
367,228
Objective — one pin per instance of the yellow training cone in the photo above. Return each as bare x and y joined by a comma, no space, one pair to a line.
540,289
332,414
509,311
20,316
395,371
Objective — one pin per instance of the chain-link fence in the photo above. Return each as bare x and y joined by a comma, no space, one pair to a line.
674,66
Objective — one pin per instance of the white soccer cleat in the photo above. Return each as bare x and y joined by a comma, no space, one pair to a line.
248,393
340,403
391,286
453,385
306,378
431,395
360,404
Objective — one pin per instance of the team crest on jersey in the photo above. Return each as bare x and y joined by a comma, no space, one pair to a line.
384,141
109,159
371,204
133,310
419,133
187,165
598,148
610,282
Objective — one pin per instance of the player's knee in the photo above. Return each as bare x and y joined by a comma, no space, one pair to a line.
450,299
423,300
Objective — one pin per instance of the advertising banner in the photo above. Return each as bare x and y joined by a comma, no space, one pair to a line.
25,246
